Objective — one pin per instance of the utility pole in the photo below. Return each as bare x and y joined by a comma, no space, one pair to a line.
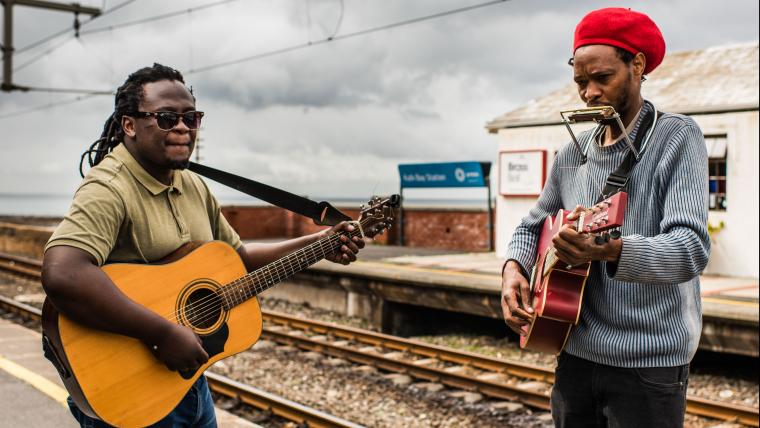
7,84
197,149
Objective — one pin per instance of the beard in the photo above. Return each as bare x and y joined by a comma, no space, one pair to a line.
179,164
623,104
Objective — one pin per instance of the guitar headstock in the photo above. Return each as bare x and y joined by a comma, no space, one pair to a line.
609,217
378,214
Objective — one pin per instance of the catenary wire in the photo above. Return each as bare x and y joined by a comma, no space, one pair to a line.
68,29
297,47
47,106
341,37
111,28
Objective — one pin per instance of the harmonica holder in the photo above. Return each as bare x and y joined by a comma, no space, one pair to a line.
604,115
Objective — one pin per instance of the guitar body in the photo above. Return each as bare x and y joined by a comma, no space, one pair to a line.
204,287
557,291
116,378
557,295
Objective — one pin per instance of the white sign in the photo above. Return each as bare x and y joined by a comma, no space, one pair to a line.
522,173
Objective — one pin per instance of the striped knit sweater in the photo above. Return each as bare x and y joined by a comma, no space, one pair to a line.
644,310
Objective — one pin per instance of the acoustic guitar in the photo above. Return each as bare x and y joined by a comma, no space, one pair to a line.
556,288
117,379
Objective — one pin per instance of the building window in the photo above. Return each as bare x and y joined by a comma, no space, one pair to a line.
716,152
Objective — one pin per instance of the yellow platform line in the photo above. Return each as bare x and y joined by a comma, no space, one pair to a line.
47,387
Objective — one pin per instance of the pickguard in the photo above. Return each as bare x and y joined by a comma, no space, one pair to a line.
213,344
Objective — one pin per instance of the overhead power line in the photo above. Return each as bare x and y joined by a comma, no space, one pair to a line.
68,91
70,29
47,106
342,37
92,93
108,28
154,18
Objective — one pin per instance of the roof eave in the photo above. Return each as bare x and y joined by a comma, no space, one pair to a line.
494,126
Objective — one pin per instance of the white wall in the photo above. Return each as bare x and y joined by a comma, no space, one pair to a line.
734,248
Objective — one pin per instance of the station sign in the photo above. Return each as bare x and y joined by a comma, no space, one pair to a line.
446,174
522,172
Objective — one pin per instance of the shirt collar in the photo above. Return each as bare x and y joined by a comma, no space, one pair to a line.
154,186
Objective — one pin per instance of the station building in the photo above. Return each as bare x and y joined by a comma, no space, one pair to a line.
717,86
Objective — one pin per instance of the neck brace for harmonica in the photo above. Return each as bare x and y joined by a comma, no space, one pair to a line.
603,115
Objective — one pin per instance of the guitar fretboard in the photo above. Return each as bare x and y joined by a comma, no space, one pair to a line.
253,283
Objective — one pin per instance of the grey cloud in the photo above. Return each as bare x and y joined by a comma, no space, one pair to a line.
308,119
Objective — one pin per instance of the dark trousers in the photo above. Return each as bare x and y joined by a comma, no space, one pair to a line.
196,410
587,394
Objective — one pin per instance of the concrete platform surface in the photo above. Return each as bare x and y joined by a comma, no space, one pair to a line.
32,394
722,297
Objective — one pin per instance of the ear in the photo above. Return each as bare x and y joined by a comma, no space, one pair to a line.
639,64
128,126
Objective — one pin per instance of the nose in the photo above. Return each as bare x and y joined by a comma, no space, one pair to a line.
592,92
181,127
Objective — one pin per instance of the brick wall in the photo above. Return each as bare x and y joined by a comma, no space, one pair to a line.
464,230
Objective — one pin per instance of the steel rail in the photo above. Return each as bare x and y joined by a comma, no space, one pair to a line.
456,380
21,265
694,405
416,347
279,406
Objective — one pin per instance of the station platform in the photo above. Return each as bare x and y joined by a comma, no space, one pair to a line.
471,283
33,394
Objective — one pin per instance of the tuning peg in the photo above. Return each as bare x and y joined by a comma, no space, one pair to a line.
599,240
615,234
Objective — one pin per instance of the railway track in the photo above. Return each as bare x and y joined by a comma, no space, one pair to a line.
492,377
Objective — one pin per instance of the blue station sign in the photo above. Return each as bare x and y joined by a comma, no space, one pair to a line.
447,174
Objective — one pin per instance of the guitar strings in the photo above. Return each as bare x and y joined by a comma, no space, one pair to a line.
227,292
210,305
275,276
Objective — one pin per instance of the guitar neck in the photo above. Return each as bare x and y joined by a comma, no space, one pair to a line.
264,278
551,256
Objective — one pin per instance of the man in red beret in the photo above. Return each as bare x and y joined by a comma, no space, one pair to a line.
626,361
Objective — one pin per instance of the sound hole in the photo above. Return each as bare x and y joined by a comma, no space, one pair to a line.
203,308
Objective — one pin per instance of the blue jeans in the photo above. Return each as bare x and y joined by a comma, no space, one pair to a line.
196,409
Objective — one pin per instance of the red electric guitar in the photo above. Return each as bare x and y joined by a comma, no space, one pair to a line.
557,289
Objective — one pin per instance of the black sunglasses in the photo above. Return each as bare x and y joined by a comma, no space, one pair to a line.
167,120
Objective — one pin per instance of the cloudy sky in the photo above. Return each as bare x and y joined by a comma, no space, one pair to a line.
330,120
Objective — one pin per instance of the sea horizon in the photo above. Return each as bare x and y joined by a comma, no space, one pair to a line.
56,205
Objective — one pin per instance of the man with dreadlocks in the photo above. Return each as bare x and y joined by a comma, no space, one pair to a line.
139,203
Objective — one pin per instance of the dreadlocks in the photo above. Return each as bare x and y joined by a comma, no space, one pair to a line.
128,98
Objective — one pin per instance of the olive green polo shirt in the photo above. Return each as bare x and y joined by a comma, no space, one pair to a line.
120,213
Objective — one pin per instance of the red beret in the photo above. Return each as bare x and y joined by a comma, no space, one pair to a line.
623,28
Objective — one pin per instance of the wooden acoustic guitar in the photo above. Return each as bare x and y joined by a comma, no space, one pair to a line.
557,289
117,379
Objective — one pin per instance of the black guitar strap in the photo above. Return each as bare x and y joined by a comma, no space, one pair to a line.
618,178
322,213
